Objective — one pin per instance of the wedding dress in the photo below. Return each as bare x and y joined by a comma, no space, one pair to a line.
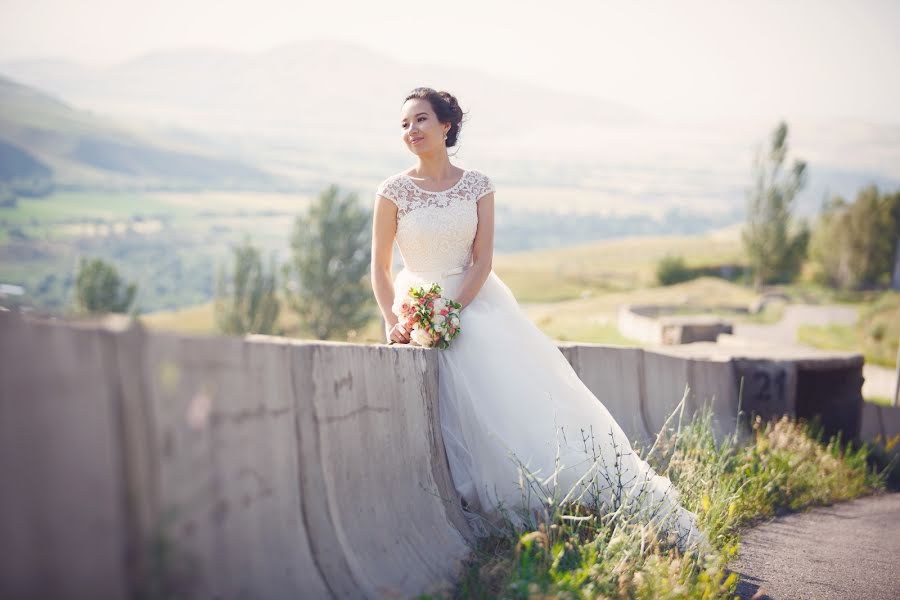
508,398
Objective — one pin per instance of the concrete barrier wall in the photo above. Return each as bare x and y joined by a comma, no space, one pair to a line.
224,429
774,384
62,515
263,467
880,421
378,493
641,387
615,375
138,464
668,376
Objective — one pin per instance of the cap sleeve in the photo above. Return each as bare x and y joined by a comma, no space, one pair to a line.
387,189
483,186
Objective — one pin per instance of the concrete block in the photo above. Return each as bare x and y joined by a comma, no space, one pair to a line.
615,375
376,487
665,378
712,383
228,483
769,387
62,518
879,420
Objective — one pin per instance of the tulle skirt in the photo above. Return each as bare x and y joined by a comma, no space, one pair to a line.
511,404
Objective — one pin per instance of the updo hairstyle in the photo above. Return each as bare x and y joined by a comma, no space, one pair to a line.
445,107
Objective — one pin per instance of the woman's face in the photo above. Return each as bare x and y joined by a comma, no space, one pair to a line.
421,131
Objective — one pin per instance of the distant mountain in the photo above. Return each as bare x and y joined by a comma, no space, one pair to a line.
42,135
319,89
324,111
18,163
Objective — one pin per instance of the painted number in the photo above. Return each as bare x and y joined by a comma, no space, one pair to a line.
762,383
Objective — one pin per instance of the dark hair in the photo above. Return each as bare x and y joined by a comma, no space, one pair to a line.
446,109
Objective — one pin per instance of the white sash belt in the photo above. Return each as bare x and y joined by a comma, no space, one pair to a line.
439,274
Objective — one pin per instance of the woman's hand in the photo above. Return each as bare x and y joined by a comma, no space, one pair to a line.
399,334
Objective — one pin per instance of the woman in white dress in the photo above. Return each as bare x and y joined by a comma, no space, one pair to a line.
508,398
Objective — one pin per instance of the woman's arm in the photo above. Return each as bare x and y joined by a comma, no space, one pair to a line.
384,228
482,253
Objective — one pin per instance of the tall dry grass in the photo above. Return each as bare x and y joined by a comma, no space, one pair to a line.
578,550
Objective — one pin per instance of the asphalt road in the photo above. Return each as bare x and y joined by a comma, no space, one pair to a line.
879,381
848,550
795,315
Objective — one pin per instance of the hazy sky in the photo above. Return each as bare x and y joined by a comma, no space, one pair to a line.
688,59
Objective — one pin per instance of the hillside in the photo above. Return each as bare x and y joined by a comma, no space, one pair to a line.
83,149
311,87
316,111
16,163
620,264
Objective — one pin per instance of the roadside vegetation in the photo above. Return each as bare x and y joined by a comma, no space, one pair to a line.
771,468
875,334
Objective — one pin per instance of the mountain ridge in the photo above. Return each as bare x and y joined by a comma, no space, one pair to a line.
84,149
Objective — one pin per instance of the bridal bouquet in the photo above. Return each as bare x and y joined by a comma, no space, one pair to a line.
431,319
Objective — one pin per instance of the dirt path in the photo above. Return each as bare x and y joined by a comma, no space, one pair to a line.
848,550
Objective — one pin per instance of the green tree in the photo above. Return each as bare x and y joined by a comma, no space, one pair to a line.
853,245
246,299
672,269
774,246
99,289
326,280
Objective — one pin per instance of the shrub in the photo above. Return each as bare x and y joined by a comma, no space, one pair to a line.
672,269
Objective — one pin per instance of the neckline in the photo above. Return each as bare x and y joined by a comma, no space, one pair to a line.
449,189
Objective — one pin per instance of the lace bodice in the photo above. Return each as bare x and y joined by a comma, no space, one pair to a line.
435,230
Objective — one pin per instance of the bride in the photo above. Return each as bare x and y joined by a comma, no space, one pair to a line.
510,404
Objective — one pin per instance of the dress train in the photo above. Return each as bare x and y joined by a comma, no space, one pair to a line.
508,398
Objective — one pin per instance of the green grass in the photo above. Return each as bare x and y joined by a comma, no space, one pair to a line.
780,466
879,400
201,319
165,241
620,264
830,337
593,319
70,206
197,319
593,332
875,334
186,209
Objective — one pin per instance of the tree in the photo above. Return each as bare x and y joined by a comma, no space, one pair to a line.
774,251
326,281
99,289
249,304
854,245
672,269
